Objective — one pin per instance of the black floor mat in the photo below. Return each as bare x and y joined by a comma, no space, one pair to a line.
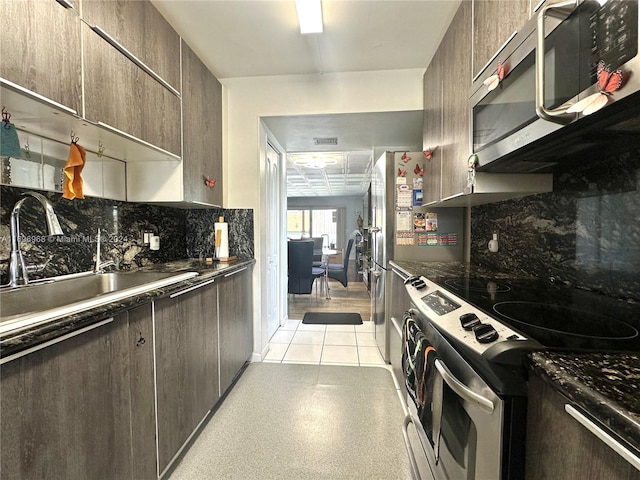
321,318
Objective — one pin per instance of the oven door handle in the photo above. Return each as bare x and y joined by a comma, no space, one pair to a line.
437,399
462,390
557,115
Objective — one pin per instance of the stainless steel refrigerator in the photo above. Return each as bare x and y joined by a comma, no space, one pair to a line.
403,230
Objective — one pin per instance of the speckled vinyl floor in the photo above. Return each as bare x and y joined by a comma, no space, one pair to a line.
291,421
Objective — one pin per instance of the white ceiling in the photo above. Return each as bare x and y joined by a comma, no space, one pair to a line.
359,135
241,38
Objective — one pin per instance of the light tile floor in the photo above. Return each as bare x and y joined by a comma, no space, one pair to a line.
296,342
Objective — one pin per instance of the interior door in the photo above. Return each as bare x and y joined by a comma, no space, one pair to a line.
273,239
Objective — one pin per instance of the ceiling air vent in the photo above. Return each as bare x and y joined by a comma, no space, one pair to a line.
326,141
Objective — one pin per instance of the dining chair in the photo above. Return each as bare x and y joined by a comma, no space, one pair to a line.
317,251
301,272
339,271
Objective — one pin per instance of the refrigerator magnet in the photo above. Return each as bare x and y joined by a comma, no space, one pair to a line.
403,238
419,222
417,197
404,196
432,222
403,221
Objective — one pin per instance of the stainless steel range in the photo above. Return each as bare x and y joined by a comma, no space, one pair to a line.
464,343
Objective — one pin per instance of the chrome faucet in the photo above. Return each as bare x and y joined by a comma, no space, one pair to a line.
100,265
18,268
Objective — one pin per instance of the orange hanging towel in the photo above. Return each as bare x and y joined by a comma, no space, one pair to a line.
72,187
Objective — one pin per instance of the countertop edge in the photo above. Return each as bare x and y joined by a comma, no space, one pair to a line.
12,344
606,411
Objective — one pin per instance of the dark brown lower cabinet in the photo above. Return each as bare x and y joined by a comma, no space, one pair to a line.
236,324
66,409
186,365
143,402
560,448
90,406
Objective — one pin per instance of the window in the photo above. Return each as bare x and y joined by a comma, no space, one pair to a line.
316,222
298,223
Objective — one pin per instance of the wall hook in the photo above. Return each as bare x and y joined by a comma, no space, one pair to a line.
6,116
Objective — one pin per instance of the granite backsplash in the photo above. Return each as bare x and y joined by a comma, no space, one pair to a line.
586,233
184,233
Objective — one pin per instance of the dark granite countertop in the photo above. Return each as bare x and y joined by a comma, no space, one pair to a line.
606,386
14,342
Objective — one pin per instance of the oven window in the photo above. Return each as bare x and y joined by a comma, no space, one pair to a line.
458,436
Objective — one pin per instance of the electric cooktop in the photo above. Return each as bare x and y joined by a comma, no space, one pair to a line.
557,317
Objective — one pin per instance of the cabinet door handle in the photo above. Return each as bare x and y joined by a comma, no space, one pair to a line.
118,46
494,56
191,289
36,96
607,439
54,341
65,3
139,140
231,274
401,273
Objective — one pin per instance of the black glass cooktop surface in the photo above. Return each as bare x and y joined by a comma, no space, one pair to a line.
558,317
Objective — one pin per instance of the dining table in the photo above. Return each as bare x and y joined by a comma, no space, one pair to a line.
325,252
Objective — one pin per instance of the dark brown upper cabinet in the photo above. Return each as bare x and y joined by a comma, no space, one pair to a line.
201,130
140,29
40,50
493,23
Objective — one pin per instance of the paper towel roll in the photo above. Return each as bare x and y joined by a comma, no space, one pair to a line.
221,229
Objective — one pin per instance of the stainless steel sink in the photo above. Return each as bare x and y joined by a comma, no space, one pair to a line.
32,304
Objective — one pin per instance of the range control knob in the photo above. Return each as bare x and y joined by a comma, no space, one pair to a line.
485,333
417,283
469,320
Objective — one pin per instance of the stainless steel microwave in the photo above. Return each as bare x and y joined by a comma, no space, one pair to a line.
523,125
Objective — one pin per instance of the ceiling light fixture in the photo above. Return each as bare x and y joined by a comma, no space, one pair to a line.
315,160
309,16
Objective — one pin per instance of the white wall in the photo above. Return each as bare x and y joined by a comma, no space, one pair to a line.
249,98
